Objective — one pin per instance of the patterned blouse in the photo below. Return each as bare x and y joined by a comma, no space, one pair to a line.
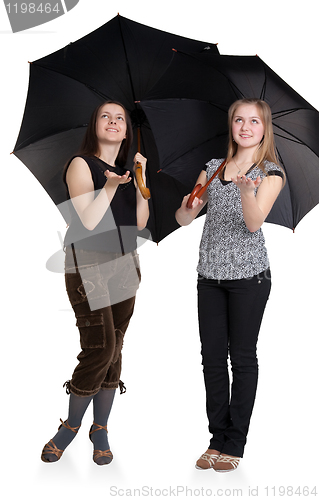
228,250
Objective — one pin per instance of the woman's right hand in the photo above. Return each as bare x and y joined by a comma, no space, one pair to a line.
185,215
195,204
114,179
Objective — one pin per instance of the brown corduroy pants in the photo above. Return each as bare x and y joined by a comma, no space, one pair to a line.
95,284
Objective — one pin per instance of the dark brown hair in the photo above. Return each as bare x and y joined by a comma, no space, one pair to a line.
90,145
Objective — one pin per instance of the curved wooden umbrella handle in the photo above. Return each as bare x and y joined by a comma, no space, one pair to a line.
145,192
199,190
140,182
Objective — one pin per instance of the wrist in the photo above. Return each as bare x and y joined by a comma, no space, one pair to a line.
249,195
110,184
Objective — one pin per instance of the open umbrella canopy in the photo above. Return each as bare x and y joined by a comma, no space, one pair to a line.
195,112
122,61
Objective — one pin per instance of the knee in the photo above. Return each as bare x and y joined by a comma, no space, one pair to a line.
244,361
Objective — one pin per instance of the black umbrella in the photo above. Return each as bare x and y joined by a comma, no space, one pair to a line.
119,61
196,124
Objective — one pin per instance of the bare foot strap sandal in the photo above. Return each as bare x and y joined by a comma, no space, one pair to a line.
226,463
207,461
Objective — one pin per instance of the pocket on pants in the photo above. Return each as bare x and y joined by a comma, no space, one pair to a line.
75,288
92,331
130,275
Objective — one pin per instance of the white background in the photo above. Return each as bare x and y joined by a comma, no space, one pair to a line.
158,429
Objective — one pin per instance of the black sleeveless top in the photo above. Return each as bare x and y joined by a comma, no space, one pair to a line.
117,230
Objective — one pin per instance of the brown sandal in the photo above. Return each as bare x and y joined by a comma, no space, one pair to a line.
99,453
226,463
207,460
51,449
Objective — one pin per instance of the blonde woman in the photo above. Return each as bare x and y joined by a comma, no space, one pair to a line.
234,278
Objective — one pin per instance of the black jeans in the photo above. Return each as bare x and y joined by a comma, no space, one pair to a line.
230,314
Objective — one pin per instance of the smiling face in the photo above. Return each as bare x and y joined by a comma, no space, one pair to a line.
247,126
111,124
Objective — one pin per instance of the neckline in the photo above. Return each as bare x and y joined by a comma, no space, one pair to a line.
104,162
103,166
224,182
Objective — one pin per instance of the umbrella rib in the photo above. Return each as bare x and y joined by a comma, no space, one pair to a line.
280,114
92,89
27,142
293,138
127,62
195,147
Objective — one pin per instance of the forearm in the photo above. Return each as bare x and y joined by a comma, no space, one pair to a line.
95,211
253,215
184,216
142,210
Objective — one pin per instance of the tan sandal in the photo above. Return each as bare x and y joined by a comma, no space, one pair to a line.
226,463
99,453
51,449
207,458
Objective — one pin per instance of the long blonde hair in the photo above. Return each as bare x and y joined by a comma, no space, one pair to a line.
267,148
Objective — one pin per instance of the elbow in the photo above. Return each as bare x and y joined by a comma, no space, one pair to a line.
88,221
142,219
253,229
254,226
89,225
141,223
254,223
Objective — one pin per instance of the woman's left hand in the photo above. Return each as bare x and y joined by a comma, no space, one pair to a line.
245,184
138,158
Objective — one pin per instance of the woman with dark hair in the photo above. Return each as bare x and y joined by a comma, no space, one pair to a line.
234,276
101,270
